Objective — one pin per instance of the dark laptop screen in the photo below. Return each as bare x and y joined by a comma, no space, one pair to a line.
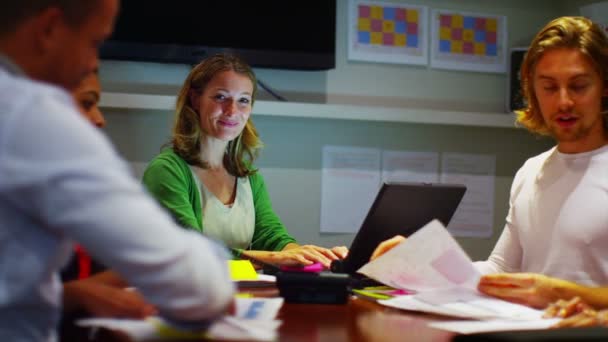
400,209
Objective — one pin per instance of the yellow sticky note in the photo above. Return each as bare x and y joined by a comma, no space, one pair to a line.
166,331
243,295
241,270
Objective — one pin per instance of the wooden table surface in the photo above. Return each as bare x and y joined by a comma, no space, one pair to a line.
357,320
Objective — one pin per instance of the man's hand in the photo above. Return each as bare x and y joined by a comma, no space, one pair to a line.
535,290
387,245
102,300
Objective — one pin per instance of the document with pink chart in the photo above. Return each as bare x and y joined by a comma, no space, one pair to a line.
429,259
433,264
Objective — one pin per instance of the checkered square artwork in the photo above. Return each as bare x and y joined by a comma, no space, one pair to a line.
387,32
388,26
467,35
468,41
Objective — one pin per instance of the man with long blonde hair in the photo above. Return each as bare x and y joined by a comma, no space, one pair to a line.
557,225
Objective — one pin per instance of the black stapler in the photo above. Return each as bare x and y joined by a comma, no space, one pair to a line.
319,288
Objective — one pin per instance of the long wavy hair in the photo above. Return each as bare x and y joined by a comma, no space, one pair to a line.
187,134
566,32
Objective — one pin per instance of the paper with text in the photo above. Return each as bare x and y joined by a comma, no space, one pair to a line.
473,327
407,166
466,305
475,214
349,184
432,263
254,320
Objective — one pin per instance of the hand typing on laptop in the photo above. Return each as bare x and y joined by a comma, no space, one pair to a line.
300,255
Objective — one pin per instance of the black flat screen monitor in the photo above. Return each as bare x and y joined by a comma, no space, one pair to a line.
400,209
266,33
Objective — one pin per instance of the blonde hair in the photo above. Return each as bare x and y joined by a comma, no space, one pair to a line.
566,32
187,135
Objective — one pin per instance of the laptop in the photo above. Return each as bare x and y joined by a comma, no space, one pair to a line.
399,209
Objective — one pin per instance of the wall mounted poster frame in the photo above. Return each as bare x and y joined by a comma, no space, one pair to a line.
387,32
468,41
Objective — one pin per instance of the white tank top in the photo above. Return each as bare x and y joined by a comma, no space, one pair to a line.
232,224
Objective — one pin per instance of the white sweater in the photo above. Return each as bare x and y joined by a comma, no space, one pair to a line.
60,180
558,219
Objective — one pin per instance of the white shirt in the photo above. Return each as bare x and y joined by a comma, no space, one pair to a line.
232,224
60,179
558,219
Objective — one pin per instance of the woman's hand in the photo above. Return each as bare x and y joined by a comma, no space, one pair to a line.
340,251
535,290
296,255
103,300
387,245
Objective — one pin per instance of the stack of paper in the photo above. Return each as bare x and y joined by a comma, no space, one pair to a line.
254,320
432,263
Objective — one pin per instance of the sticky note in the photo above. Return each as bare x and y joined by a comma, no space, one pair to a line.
241,270
314,268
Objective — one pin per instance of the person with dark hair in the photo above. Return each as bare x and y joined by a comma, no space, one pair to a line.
206,178
88,287
87,97
62,182
557,225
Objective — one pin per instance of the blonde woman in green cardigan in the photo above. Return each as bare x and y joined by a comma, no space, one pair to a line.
206,179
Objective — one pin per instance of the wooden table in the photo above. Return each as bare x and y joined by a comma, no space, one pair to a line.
357,320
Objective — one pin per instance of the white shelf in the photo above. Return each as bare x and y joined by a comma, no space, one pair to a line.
327,111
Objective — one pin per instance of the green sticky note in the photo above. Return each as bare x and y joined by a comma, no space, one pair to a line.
241,270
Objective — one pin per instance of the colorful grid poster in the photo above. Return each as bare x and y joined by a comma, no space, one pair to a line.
387,32
467,41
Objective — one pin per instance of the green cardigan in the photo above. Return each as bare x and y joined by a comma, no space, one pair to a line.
169,179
